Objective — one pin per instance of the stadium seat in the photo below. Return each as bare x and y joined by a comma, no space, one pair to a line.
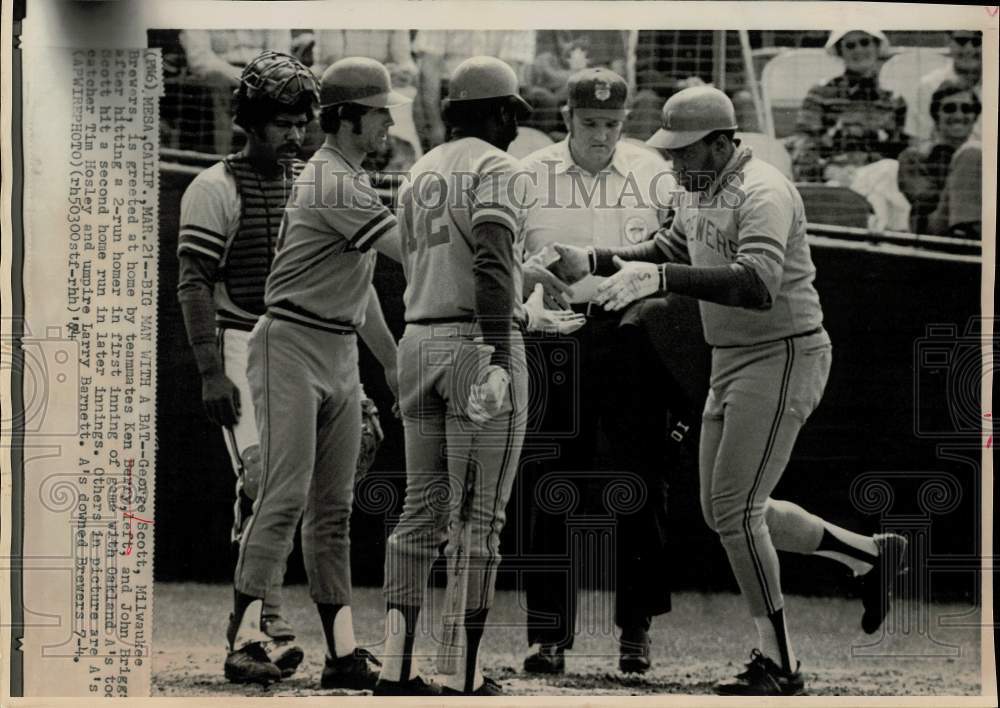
788,77
769,150
902,72
837,206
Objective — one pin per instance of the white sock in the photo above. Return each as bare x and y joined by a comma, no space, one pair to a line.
395,645
865,544
343,632
770,644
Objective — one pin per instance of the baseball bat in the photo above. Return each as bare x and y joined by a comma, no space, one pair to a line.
457,588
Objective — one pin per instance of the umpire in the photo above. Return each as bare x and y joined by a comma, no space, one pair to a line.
593,189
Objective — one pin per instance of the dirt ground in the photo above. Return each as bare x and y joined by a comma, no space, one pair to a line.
923,649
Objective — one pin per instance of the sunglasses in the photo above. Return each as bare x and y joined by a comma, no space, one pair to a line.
863,42
975,41
966,108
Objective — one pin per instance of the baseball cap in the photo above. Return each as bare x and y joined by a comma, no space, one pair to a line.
597,88
358,80
691,114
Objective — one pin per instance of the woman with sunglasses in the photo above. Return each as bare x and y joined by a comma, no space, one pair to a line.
850,120
924,169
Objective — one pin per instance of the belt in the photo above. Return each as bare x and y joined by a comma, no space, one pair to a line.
460,319
811,332
290,312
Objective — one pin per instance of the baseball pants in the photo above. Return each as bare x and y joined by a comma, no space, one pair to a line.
305,388
437,366
602,379
760,397
241,441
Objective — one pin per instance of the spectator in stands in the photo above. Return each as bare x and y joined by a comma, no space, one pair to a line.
217,58
561,53
923,170
960,211
439,52
965,48
850,120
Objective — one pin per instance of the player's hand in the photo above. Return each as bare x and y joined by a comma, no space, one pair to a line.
487,398
573,264
369,414
633,281
557,293
221,399
541,319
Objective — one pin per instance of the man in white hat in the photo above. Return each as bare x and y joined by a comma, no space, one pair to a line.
738,244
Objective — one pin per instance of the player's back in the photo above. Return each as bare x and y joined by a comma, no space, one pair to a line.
451,189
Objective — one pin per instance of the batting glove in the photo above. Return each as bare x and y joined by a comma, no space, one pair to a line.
633,281
487,398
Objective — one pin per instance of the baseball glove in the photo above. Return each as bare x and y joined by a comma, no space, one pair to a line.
371,436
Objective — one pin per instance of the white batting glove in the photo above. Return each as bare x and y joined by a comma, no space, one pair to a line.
541,319
487,398
633,281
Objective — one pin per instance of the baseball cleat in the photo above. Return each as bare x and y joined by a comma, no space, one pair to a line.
276,627
634,651
251,665
878,583
247,660
286,656
763,678
489,688
549,659
351,672
415,686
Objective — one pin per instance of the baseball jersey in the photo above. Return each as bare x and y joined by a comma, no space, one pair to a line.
453,188
323,267
754,216
622,205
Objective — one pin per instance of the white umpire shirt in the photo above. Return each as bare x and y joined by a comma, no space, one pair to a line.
622,205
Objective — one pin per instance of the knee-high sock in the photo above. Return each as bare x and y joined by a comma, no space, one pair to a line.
468,677
400,633
795,529
774,642
338,629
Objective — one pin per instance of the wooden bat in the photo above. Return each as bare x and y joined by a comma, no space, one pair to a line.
457,588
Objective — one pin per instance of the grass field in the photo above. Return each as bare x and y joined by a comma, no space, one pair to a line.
923,649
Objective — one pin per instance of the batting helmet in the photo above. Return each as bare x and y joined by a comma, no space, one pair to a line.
482,77
358,80
691,114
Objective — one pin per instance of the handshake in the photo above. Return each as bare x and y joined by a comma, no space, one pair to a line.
558,267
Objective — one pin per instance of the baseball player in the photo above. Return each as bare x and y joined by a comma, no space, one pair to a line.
595,189
229,226
303,372
738,244
463,403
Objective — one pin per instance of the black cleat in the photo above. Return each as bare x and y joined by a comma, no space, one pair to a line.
634,651
286,656
489,688
549,659
251,665
878,583
762,678
351,672
415,686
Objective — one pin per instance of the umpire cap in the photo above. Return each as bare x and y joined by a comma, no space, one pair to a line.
597,88
691,114
358,80
482,77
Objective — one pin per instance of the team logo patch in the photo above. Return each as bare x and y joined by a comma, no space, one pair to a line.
635,229
602,90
